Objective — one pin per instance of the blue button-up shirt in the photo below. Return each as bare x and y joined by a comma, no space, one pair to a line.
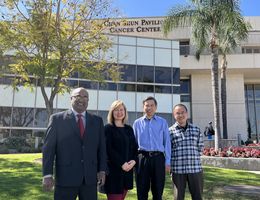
153,135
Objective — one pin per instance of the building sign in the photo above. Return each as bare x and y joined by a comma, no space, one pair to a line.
134,26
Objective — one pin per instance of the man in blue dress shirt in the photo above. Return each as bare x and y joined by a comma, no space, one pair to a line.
154,151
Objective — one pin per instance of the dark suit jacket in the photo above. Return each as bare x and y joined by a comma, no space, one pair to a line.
121,148
73,157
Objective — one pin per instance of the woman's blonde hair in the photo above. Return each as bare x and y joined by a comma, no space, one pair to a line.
115,105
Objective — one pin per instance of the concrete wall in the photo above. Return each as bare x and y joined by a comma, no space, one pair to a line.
202,108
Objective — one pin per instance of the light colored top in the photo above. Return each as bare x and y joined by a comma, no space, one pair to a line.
153,135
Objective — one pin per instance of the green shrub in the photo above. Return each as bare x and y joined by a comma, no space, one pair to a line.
3,149
16,142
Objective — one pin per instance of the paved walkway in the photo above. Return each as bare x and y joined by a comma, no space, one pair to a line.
246,189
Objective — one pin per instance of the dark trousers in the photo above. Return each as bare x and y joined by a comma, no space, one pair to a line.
83,192
195,184
150,172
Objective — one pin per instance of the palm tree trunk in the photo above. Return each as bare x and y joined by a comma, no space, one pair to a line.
224,96
215,94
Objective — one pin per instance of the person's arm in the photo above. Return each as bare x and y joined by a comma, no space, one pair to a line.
49,153
200,142
167,145
102,155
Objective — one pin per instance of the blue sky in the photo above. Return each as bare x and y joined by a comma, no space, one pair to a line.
149,8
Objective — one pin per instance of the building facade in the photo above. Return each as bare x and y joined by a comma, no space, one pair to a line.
153,65
150,67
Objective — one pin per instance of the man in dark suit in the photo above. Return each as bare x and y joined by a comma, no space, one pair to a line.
75,145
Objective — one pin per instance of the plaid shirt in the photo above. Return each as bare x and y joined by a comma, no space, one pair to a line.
186,150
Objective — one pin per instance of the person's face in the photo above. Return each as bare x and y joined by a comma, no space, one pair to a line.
119,113
79,100
149,108
180,115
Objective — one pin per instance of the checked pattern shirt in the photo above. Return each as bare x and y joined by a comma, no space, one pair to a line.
186,149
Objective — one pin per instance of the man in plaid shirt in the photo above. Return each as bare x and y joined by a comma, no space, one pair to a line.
187,146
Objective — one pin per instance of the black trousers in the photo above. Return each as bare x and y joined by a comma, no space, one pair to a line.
83,192
195,184
150,173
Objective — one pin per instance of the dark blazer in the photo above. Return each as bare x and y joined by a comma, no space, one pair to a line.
73,157
121,148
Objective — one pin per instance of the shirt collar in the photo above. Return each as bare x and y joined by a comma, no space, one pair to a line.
76,113
176,125
153,117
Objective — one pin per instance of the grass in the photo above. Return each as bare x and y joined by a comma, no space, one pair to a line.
20,179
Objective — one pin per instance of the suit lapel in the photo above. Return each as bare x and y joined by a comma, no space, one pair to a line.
89,126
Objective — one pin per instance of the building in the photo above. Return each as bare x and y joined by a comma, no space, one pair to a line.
153,65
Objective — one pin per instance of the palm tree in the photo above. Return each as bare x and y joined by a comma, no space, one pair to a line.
209,20
232,36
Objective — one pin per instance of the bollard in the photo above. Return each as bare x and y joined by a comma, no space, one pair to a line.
239,139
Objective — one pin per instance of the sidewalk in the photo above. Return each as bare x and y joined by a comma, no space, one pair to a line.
246,189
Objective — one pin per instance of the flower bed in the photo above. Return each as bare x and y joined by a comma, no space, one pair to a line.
237,152
243,158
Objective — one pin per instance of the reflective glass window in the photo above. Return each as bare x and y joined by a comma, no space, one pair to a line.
185,98
145,56
21,133
163,75
88,84
145,74
257,92
185,86
145,88
145,42
5,116
108,86
127,54
163,89
73,83
163,57
128,73
131,117
103,115
176,75
126,87
176,89
167,116
23,117
5,80
41,118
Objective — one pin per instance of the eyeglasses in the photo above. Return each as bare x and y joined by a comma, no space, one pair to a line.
80,97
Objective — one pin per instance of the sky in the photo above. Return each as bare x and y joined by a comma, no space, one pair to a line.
157,8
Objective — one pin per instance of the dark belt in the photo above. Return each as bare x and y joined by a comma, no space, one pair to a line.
150,153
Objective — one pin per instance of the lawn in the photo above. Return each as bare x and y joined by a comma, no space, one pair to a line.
20,179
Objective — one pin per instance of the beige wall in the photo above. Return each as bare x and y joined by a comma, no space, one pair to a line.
202,108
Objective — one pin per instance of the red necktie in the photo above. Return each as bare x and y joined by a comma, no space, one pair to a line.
81,125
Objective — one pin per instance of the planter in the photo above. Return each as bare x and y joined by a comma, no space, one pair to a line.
249,164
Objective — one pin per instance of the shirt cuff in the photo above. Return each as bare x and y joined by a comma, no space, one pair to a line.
47,176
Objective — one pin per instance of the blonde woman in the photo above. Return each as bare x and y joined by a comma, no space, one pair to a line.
121,152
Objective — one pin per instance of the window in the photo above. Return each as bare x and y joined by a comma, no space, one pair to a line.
176,76
144,88
163,75
88,84
108,86
126,87
145,74
163,89
128,73
184,47
23,117
5,116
